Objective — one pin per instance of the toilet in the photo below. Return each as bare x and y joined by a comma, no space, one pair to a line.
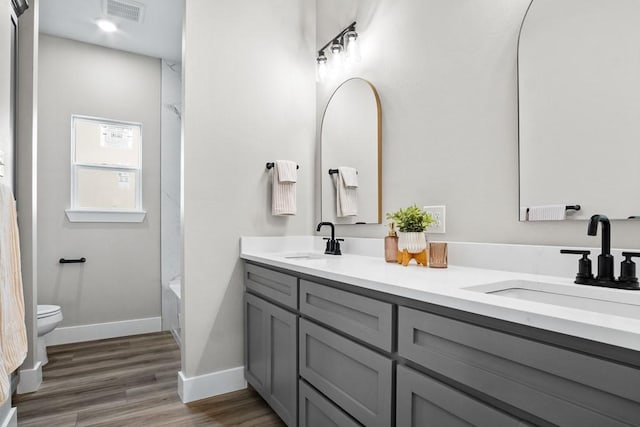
49,317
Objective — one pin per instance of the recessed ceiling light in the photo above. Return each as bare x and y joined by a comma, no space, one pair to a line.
106,25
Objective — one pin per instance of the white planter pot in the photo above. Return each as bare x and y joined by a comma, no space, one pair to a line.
413,242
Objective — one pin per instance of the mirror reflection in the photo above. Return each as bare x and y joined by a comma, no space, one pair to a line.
351,155
579,109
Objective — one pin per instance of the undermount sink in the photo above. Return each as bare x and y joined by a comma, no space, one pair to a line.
600,300
304,255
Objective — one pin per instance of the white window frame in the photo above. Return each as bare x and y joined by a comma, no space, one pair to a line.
79,214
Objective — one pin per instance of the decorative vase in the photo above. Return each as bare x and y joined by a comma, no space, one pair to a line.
413,241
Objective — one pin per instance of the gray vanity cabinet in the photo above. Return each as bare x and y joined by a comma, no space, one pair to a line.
423,401
271,353
325,355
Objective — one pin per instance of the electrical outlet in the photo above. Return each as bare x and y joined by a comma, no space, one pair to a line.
439,214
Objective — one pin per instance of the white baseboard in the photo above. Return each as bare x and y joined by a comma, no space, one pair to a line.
98,331
11,419
30,379
209,385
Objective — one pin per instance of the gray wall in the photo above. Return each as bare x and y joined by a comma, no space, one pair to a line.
249,98
121,279
27,172
446,74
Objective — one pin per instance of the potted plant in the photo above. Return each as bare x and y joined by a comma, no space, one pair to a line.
411,223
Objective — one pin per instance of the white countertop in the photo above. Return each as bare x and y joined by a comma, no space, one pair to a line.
444,287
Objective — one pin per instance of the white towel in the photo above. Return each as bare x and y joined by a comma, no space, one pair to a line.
548,213
13,333
347,192
283,197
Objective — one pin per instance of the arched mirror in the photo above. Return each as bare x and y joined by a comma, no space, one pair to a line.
351,155
579,106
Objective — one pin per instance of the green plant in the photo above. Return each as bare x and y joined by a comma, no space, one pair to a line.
411,219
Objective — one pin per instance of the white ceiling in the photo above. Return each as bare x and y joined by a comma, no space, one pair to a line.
159,34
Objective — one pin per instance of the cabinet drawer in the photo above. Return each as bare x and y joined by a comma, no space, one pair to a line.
423,401
276,286
553,384
367,319
356,378
317,411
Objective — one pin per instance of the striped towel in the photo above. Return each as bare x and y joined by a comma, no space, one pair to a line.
347,192
283,197
13,333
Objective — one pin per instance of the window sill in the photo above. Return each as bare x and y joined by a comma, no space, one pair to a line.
87,215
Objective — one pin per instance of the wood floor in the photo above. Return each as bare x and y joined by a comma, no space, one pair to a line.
129,381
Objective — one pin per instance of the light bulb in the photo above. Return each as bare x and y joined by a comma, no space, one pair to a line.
337,60
321,67
352,46
106,25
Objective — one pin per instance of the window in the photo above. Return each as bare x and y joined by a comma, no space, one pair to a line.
106,171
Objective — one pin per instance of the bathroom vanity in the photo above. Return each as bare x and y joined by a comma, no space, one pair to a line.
352,340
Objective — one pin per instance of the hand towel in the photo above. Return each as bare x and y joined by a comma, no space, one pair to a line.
13,333
547,213
283,197
347,192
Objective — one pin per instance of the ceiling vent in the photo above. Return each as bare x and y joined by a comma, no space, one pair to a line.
125,9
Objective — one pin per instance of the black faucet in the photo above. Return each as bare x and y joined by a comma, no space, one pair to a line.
333,244
605,277
605,259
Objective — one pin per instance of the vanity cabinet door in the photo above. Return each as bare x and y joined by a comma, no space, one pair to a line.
317,411
271,352
356,378
423,401
365,318
273,285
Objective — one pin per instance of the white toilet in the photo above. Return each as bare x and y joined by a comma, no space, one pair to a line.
49,317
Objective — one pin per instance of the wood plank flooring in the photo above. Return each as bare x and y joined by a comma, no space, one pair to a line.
130,381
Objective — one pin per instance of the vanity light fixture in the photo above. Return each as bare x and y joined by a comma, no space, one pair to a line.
344,44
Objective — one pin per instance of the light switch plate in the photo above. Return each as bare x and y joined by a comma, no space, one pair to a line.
1,171
439,214
2,157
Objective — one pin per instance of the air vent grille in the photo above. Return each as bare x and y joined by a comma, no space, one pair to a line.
126,9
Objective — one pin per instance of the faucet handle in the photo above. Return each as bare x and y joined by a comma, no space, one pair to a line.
628,267
336,248
328,250
584,265
575,251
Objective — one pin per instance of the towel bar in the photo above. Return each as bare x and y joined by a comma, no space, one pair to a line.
568,208
335,171
72,261
272,164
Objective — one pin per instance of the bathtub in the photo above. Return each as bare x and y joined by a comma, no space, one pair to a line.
173,298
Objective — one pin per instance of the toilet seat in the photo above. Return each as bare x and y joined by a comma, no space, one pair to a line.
45,311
